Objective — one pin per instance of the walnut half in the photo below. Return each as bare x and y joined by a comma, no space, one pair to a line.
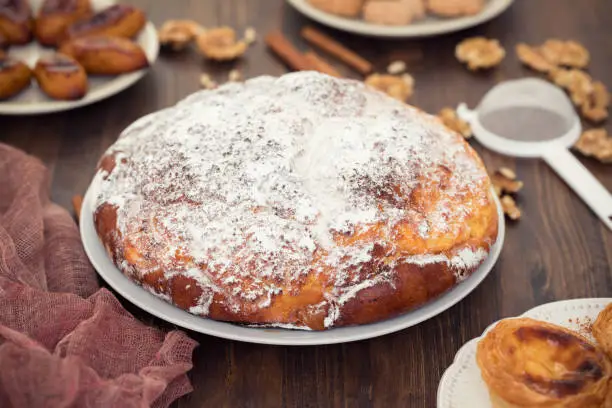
178,34
596,143
451,120
480,53
221,44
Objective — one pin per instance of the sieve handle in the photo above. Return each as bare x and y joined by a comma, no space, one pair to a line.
592,192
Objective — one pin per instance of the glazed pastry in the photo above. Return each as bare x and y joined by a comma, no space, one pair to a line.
16,21
529,363
303,202
602,330
56,16
15,76
104,55
61,77
119,20
2,54
455,8
3,42
346,8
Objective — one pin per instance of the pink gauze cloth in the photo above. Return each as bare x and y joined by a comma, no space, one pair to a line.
64,342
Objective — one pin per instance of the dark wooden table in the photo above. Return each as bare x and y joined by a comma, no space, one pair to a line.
559,250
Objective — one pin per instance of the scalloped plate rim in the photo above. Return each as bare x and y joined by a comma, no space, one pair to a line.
470,345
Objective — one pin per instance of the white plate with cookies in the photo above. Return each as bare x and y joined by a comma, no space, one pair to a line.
32,100
413,18
462,384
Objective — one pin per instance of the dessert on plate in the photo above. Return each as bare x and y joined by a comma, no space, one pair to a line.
87,43
305,202
528,363
398,12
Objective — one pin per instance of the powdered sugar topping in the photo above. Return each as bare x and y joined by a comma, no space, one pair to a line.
259,182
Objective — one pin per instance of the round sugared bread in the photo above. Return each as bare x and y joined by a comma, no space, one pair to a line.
303,201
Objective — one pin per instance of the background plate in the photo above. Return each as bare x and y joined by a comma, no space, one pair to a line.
166,311
428,27
462,386
33,101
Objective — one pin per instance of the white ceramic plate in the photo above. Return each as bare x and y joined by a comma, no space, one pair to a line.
462,386
166,311
34,101
424,28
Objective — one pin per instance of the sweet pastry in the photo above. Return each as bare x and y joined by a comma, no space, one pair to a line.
55,16
61,77
15,76
393,12
602,330
305,202
16,21
529,363
3,42
119,20
104,55
346,8
454,8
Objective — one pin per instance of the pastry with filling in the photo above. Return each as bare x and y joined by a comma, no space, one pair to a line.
15,76
120,20
602,329
55,16
106,55
527,363
61,77
16,21
304,202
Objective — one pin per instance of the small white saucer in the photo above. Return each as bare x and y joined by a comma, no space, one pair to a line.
462,386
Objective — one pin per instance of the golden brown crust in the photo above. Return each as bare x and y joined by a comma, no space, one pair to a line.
16,21
56,16
346,8
119,20
105,55
530,363
4,44
413,285
602,330
61,77
15,76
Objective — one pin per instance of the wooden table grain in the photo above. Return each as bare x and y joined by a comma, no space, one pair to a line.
559,250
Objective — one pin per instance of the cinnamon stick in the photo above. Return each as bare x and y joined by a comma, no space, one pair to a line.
77,203
336,49
319,64
277,42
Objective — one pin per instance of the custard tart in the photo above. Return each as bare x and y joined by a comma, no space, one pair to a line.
602,330
529,363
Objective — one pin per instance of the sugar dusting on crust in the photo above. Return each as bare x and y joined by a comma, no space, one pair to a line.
249,187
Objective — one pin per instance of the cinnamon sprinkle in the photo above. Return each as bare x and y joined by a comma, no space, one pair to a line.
336,49
319,64
279,44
